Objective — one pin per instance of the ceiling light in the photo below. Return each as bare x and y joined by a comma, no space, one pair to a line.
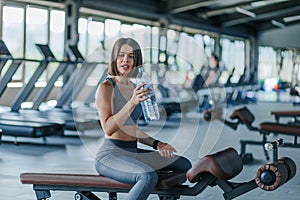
276,23
258,3
265,3
245,12
292,18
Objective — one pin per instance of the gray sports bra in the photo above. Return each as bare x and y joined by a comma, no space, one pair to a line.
119,101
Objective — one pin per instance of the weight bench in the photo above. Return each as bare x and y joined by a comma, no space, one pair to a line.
211,170
294,114
245,116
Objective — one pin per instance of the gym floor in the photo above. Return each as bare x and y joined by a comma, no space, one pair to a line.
191,135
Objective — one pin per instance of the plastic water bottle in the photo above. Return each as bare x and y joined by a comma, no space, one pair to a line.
149,106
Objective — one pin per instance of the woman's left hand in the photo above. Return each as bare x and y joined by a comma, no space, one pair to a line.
166,150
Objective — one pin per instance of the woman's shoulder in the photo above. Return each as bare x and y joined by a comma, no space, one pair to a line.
107,84
109,81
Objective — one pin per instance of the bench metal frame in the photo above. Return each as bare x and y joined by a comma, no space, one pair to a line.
230,189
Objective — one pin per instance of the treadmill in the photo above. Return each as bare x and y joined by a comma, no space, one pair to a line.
70,121
13,67
19,128
4,55
79,77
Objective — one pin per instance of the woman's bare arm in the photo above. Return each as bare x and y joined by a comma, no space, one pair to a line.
165,149
104,99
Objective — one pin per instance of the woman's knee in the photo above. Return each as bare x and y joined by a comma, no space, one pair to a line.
187,164
182,164
149,178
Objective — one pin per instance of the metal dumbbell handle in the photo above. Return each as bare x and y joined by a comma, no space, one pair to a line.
274,146
271,145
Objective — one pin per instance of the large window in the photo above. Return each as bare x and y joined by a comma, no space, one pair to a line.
23,27
21,33
296,59
95,33
82,31
36,31
57,31
12,26
112,30
91,37
286,70
233,56
267,63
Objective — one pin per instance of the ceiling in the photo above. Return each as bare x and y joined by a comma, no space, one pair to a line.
234,17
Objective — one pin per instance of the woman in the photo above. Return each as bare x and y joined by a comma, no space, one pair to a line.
215,73
118,104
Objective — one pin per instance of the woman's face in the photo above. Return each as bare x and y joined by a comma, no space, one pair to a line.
125,60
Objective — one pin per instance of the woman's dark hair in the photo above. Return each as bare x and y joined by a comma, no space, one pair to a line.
112,68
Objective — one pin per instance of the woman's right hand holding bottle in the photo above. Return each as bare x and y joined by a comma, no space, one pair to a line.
140,94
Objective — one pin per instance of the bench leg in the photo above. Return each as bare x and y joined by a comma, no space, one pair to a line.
85,195
42,194
243,147
112,196
264,141
251,142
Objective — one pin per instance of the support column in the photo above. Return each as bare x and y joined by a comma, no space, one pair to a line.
163,42
71,23
252,54
162,50
71,32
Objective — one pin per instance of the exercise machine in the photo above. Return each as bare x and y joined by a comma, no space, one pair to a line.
13,67
294,114
78,79
245,116
174,104
15,126
56,116
212,170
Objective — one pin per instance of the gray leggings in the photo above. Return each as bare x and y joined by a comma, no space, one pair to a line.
124,162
